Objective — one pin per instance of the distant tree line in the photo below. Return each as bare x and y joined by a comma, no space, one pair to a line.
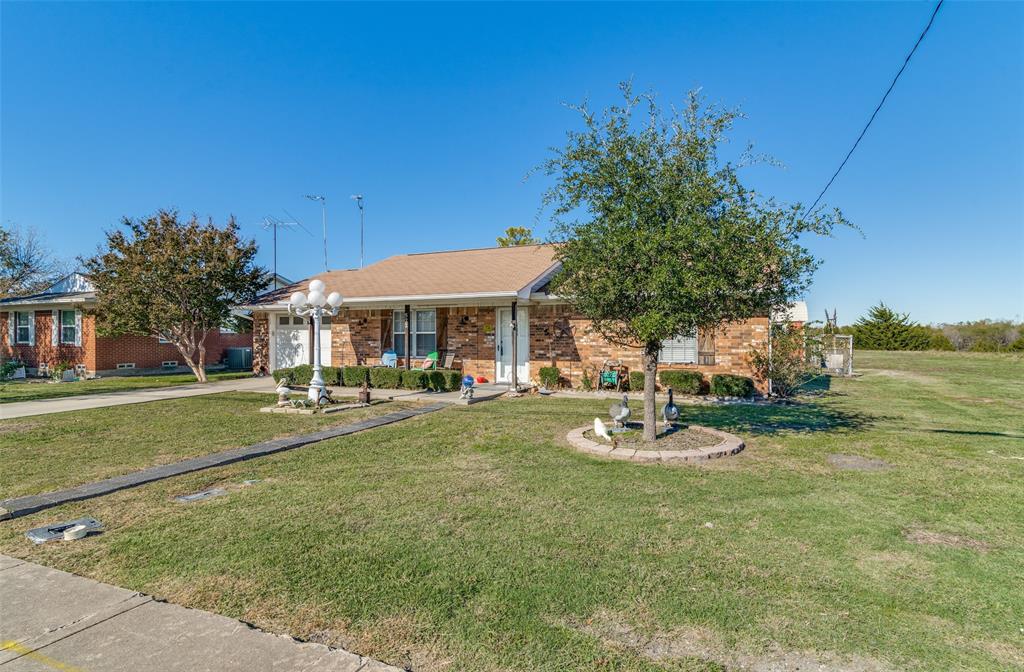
886,329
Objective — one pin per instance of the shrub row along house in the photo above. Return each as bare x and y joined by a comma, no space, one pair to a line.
486,308
54,327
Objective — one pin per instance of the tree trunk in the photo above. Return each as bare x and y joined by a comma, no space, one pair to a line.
187,351
650,360
200,369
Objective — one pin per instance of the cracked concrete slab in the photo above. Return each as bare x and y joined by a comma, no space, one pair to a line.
55,619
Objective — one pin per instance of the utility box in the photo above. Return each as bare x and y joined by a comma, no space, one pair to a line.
238,358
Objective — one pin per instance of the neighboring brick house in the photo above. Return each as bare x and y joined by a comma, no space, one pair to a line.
54,326
462,302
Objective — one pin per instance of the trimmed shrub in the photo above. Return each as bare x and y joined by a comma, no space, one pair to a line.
728,385
436,381
385,378
301,374
414,379
636,381
452,379
355,376
549,376
282,373
683,382
331,374
586,382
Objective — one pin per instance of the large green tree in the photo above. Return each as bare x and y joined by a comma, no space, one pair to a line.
517,235
658,236
885,329
167,278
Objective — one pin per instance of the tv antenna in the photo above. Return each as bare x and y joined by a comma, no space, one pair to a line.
273,223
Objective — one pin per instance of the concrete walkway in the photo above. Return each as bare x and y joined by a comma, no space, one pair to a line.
52,620
21,409
22,506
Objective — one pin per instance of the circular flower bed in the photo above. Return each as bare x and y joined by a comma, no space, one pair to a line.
681,444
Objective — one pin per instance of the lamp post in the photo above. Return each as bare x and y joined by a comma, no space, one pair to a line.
315,305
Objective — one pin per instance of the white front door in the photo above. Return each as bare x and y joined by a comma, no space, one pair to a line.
503,350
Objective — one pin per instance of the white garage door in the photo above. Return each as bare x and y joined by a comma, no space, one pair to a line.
291,342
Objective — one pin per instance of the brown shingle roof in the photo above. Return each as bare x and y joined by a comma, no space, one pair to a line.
485,271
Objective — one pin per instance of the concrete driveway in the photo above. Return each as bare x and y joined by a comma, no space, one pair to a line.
21,409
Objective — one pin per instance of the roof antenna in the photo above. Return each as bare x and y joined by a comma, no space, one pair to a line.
358,198
275,223
323,213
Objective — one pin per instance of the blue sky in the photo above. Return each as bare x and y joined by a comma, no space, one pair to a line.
436,112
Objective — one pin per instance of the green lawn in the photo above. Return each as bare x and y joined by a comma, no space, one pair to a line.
48,452
33,390
476,539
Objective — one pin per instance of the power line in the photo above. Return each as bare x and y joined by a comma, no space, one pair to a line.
906,61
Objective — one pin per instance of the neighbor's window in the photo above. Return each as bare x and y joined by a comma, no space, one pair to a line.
423,334
22,331
679,350
68,328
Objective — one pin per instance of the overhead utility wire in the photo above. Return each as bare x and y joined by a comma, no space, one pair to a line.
906,61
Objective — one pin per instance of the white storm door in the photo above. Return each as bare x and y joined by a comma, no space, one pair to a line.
503,356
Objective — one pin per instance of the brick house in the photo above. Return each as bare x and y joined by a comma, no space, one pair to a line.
463,302
54,326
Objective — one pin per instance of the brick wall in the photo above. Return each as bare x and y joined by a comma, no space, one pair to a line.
557,338
471,334
44,352
146,352
560,338
104,353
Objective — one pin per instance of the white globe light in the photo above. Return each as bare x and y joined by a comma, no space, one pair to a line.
317,286
316,298
298,299
334,299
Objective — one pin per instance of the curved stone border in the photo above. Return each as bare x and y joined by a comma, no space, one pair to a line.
730,445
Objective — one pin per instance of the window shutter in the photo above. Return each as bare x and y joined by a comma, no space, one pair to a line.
11,319
706,348
32,327
56,327
78,328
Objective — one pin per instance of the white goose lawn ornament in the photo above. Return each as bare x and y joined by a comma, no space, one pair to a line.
601,430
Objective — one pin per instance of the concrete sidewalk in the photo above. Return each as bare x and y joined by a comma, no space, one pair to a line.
52,620
21,409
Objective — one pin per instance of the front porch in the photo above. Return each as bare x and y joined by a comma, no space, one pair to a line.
479,340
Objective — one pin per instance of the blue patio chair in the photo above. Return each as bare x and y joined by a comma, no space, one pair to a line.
389,359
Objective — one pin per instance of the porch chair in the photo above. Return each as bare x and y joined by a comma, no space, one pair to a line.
430,362
389,359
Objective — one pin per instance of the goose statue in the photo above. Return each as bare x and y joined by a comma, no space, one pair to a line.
670,412
620,412
601,430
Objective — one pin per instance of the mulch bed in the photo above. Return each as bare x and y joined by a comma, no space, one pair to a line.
678,438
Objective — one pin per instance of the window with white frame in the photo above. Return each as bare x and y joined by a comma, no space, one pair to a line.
22,327
423,334
68,327
679,350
